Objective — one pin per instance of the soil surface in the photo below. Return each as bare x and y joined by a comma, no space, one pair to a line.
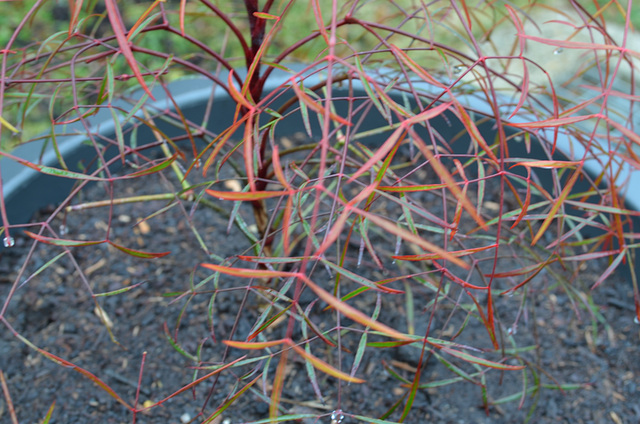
593,353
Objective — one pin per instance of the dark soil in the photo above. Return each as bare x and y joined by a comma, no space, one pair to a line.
561,340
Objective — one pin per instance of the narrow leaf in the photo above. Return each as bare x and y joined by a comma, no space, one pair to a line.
248,196
353,313
253,345
263,15
138,253
307,100
549,123
359,279
62,242
230,401
554,209
8,125
610,269
47,417
118,28
325,367
119,291
196,382
142,17
548,164
248,273
480,361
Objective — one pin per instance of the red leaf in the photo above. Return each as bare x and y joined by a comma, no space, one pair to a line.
118,29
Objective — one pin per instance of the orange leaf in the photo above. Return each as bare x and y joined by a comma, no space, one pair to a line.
253,345
248,273
75,7
456,253
386,147
353,313
559,202
144,16
307,100
324,367
183,9
473,131
263,15
250,196
548,164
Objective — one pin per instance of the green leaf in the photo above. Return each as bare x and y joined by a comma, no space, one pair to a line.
138,253
62,242
372,420
263,15
119,291
110,83
286,418
118,130
481,361
359,279
47,417
177,347
230,401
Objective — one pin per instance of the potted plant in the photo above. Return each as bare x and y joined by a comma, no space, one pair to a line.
338,239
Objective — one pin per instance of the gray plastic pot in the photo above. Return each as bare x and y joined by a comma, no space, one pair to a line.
26,190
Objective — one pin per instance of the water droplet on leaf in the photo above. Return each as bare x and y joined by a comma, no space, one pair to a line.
458,69
559,50
336,416
9,242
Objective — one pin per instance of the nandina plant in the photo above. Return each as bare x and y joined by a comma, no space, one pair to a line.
421,206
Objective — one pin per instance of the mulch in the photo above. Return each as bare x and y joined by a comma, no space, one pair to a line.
561,341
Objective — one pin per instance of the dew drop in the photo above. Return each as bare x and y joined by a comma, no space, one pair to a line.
9,241
635,319
512,331
458,69
559,50
63,230
337,416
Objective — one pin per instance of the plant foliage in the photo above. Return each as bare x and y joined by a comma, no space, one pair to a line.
457,198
